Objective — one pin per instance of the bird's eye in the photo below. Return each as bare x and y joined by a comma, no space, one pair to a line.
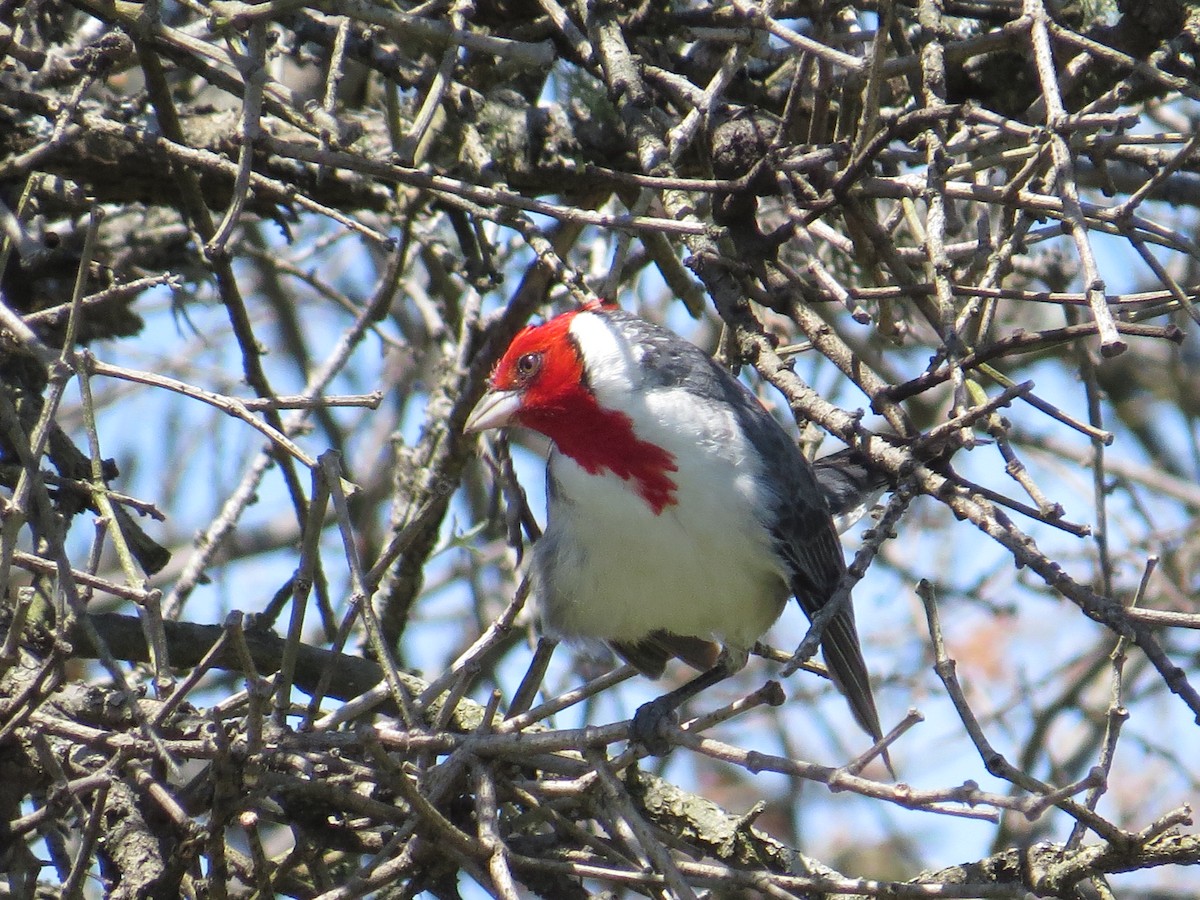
528,365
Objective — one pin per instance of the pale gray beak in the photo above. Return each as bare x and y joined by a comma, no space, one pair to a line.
496,409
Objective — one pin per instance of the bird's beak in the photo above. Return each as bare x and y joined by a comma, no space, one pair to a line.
495,410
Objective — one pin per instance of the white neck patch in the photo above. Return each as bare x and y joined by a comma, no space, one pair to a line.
612,362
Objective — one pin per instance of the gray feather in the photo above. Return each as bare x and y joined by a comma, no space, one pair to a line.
800,519
850,485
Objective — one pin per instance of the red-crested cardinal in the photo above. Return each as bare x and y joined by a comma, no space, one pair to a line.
680,515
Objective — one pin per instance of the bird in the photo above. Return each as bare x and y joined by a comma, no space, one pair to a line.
681,517
850,485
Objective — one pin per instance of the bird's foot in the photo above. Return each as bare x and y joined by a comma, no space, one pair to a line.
651,724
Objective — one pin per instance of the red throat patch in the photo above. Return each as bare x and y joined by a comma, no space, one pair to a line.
544,366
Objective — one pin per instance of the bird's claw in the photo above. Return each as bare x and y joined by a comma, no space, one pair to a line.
650,726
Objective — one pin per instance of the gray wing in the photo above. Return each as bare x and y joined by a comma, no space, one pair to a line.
850,485
800,523
807,541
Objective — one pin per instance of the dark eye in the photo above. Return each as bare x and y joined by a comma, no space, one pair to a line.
528,365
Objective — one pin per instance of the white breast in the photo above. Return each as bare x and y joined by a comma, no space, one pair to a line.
608,568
